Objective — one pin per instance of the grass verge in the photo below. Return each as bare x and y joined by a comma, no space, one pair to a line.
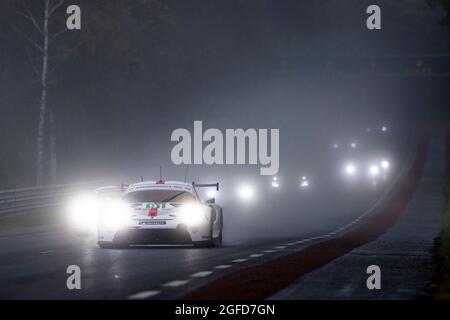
31,219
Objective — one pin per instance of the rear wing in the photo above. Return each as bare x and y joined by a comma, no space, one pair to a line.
206,185
118,188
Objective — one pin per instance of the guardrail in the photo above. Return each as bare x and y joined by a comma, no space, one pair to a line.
27,199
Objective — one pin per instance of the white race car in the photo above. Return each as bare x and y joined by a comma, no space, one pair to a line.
160,212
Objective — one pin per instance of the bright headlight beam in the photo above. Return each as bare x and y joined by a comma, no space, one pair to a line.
385,164
192,214
275,183
374,170
350,169
116,214
82,212
246,192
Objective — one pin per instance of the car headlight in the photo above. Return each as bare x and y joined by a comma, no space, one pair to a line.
350,169
246,192
115,214
193,214
82,212
275,183
374,171
385,164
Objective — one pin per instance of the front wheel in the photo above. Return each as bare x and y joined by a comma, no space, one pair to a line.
217,242
213,242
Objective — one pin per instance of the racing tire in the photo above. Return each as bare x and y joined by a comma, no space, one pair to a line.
217,242
213,242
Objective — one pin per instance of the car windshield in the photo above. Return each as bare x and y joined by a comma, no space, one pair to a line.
159,196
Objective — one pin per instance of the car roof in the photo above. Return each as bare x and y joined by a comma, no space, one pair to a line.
160,185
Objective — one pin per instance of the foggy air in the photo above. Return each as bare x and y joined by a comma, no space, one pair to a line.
239,140
224,150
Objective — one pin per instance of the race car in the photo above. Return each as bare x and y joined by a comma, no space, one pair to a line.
161,212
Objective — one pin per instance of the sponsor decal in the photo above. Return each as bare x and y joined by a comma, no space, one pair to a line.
155,205
153,212
152,222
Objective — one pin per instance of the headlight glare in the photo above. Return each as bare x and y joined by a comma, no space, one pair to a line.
116,214
82,212
385,164
374,171
246,192
192,214
350,169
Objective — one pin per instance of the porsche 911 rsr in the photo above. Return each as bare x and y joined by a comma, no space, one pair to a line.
160,212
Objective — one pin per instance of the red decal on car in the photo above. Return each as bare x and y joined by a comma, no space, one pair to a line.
153,212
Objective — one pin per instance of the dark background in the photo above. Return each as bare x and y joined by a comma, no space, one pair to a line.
137,70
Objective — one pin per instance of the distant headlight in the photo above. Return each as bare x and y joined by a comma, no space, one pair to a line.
275,183
193,214
374,171
82,212
246,192
385,164
350,169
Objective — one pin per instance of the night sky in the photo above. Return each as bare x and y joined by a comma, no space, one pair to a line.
138,70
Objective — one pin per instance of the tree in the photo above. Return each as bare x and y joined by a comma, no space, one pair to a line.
108,27
42,31
443,5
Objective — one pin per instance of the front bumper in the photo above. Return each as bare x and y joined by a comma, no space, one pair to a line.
172,232
179,235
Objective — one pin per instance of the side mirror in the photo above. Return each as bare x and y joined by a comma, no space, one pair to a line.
211,201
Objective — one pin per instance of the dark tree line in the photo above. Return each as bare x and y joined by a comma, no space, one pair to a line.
40,26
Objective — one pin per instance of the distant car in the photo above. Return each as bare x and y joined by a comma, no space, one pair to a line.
161,212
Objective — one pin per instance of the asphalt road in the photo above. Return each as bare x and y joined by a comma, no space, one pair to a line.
33,262
405,253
